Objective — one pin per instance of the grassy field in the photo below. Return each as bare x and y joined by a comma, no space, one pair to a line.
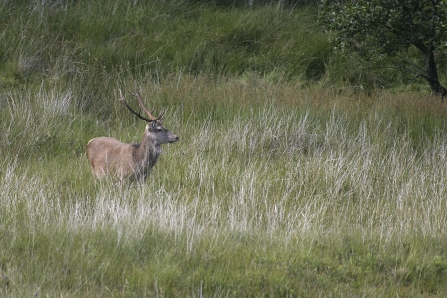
286,181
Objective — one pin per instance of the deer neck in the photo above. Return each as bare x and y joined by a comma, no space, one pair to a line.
148,151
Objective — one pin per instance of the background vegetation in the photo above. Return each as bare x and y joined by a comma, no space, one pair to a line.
298,172
411,32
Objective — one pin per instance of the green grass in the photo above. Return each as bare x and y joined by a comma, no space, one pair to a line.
284,183
159,38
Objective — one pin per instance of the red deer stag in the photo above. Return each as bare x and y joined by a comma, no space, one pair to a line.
108,156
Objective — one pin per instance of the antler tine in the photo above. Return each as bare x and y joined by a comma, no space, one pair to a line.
160,117
131,110
149,113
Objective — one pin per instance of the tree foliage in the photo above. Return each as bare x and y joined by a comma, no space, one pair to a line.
392,28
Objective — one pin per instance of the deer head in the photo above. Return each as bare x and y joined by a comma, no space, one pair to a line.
160,134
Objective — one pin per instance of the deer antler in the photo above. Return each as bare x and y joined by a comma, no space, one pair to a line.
132,111
149,113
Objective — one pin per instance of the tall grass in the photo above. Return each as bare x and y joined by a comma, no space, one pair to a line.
296,196
67,40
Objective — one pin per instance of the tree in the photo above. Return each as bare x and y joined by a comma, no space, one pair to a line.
375,28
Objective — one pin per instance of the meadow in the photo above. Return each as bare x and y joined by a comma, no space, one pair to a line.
297,173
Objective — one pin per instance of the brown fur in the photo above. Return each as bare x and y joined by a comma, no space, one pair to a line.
110,157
